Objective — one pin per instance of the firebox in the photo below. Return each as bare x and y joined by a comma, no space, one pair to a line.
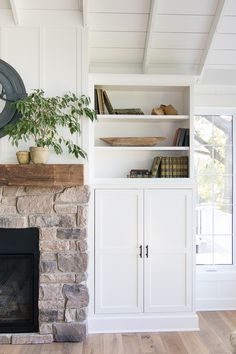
19,273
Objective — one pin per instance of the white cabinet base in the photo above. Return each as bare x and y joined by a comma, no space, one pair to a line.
144,323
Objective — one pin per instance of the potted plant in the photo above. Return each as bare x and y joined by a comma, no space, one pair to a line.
41,119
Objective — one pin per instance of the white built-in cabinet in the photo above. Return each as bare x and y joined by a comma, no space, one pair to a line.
143,251
141,235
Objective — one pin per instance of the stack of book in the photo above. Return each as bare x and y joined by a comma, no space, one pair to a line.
181,137
103,104
139,173
170,167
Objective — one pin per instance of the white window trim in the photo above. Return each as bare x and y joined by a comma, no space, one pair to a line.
232,112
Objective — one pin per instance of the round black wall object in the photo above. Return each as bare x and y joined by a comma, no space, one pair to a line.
11,90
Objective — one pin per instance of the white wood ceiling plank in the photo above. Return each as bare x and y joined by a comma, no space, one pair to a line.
175,56
116,55
225,41
117,39
231,8
222,57
200,7
150,28
85,12
121,6
117,22
51,18
181,23
228,25
212,34
15,12
179,40
48,4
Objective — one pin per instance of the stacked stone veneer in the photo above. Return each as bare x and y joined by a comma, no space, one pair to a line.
61,215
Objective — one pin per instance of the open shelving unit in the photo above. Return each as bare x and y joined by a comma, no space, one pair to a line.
113,163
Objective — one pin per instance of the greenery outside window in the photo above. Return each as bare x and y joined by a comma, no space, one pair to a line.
214,177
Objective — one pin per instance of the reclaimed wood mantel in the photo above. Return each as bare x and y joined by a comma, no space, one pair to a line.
67,175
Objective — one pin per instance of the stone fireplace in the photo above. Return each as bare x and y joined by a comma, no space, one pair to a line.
60,215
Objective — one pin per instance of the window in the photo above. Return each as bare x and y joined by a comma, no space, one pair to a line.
214,176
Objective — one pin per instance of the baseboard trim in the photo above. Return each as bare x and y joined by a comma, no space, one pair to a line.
216,304
145,323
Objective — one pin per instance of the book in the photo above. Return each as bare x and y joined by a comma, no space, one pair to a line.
181,137
155,167
99,100
176,137
186,138
137,111
139,173
96,101
163,167
107,103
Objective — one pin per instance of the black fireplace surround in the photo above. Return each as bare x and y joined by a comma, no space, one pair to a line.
19,280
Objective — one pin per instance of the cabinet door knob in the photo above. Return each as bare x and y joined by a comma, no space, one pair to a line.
147,251
141,251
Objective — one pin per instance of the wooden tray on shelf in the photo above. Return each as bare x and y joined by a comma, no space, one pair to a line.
133,141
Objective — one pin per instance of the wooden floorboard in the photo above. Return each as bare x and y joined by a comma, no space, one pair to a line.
213,338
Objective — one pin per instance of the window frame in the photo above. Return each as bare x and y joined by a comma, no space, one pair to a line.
231,112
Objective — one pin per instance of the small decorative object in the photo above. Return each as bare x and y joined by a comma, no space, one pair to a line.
39,155
158,111
169,110
23,157
11,89
139,173
133,141
42,119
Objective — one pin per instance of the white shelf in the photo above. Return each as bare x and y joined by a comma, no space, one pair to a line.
142,148
157,182
140,118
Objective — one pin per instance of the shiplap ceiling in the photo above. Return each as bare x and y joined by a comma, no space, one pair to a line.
161,36
166,36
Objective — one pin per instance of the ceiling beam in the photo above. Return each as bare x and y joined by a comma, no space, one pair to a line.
150,28
218,17
15,12
85,13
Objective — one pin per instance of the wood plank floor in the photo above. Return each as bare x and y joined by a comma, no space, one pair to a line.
213,338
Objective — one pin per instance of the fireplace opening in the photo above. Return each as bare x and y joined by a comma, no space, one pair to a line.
19,273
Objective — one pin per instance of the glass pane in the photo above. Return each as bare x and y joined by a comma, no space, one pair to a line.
204,159
223,160
204,189
223,249
222,219
204,250
222,130
214,178
223,190
204,219
203,130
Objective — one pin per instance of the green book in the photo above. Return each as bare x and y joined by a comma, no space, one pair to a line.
174,167
107,103
167,166
155,167
163,167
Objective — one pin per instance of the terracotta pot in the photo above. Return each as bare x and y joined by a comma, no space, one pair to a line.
23,157
39,155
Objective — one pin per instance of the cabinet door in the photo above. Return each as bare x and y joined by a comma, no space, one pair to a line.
168,235
118,266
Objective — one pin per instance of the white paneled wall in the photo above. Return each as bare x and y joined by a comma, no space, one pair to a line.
46,57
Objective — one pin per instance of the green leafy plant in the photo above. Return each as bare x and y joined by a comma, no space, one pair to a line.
42,117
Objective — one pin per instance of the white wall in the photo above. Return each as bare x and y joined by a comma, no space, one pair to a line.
46,55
